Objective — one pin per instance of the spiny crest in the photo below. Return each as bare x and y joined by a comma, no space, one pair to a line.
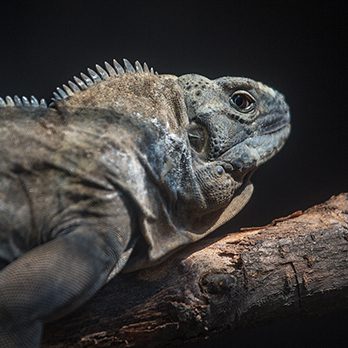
16,101
94,77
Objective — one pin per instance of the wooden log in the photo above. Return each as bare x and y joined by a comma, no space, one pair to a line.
296,265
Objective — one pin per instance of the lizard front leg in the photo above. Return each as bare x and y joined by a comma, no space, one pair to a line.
52,280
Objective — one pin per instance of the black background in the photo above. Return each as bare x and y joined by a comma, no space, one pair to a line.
295,47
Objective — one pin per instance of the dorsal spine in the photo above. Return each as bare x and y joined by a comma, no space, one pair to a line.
22,102
100,74
80,84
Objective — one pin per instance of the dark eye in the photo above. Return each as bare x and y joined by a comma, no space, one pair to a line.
197,136
242,101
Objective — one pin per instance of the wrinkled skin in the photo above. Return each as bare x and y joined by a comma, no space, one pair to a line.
117,177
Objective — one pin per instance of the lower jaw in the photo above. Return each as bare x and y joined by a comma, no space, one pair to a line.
249,154
275,141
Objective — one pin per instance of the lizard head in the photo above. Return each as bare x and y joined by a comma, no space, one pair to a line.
237,121
235,125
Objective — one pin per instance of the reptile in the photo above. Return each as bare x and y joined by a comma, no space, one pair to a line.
121,169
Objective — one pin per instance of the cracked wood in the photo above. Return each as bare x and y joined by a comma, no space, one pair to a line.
294,266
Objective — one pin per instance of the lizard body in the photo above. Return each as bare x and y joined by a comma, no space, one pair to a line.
122,169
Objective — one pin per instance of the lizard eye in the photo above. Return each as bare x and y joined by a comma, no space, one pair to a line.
242,101
197,136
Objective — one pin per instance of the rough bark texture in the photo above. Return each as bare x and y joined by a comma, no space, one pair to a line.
296,265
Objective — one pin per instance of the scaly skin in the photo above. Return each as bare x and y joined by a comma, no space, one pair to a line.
118,176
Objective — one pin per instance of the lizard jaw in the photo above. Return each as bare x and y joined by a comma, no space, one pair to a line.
254,151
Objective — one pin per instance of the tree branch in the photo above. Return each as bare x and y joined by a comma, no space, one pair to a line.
296,265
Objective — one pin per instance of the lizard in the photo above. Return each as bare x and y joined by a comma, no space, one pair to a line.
123,167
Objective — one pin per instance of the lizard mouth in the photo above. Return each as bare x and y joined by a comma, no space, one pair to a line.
245,156
274,124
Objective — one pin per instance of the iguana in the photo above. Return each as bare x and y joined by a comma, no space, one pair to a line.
121,169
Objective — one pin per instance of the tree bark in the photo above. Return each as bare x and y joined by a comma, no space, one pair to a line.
296,265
